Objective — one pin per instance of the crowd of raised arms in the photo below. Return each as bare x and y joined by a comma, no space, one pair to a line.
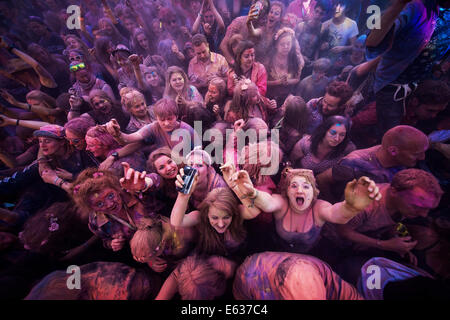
103,163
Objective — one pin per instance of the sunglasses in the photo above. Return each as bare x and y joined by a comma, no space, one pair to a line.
96,104
76,58
74,141
77,67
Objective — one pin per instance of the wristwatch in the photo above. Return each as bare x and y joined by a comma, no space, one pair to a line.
115,154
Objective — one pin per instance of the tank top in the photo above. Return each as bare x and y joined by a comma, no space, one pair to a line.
299,242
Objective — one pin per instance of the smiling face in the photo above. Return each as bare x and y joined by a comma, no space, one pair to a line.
213,93
300,194
247,59
139,108
77,142
50,146
177,82
330,105
152,78
98,149
166,167
219,220
106,201
102,105
335,135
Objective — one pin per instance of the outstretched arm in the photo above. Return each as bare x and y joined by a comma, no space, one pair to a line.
376,36
45,77
178,218
358,196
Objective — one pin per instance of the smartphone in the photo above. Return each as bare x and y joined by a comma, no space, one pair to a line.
188,179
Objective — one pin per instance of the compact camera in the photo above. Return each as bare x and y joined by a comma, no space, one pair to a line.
188,179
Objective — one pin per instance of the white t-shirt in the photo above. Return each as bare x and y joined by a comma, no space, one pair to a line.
340,35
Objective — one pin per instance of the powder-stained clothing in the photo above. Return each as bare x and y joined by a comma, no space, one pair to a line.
272,275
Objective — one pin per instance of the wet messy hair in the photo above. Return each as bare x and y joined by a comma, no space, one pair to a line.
211,242
91,181
198,280
408,179
288,174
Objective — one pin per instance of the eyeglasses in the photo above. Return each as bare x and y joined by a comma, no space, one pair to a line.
77,67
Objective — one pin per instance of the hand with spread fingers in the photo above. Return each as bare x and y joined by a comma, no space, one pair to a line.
360,194
243,185
134,181
228,170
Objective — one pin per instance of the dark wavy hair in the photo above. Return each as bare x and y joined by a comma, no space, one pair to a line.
242,46
320,132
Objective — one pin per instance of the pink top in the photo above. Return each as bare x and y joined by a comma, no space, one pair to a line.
258,76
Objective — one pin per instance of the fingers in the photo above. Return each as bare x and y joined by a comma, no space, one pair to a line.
129,174
126,167
143,174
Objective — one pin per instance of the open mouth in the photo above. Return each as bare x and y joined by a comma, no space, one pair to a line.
300,201
171,172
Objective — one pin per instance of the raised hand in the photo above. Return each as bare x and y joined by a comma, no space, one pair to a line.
8,97
118,242
238,124
216,109
360,194
228,170
135,60
113,128
242,184
133,180
179,183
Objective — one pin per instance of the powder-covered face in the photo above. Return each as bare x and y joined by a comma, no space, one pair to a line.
213,93
166,167
107,200
101,105
247,58
415,202
177,82
219,220
168,124
139,108
284,44
152,78
143,41
49,146
300,193
78,142
335,135
97,148
274,15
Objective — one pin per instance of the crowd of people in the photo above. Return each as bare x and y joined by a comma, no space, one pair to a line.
99,133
